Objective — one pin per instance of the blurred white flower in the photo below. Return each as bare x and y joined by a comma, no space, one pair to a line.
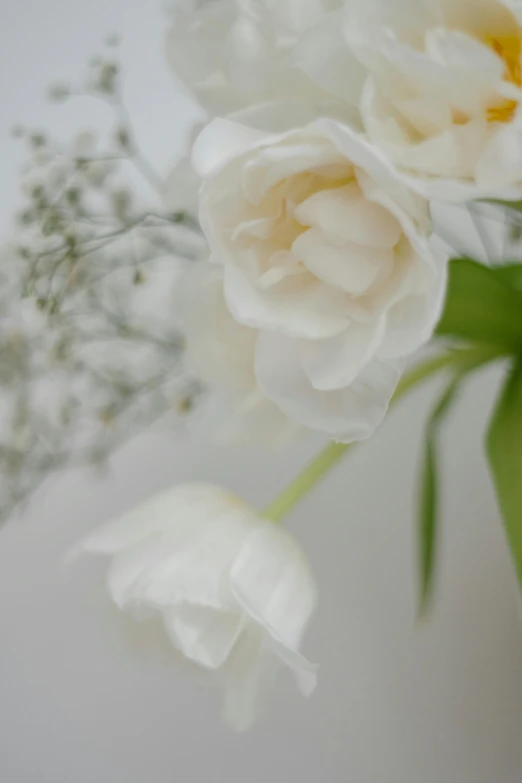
442,100
235,592
327,259
220,352
231,54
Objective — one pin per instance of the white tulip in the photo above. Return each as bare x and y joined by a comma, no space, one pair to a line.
442,99
326,260
231,54
234,591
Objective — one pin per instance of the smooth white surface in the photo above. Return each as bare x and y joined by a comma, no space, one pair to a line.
396,702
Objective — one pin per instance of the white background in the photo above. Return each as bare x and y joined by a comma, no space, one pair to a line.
397,702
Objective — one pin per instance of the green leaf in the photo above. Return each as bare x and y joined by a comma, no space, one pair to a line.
428,506
481,306
510,274
516,206
504,445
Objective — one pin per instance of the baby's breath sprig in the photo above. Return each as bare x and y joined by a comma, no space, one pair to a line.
89,350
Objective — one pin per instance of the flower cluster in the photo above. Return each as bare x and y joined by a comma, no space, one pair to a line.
332,126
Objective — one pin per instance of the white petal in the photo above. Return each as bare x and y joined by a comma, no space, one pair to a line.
197,52
272,581
309,309
303,670
247,674
345,415
353,268
189,564
501,162
412,320
346,213
222,141
203,635
337,362
183,505
323,55
274,164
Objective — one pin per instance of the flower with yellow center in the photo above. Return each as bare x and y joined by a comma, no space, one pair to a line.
509,49
442,96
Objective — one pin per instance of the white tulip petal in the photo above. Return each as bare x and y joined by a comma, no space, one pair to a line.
500,165
177,508
190,565
272,165
196,52
344,212
461,52
220,142
411,321
335,363
249,671
303,670
272,582
203,635
323,55
311,311
346,415
350,267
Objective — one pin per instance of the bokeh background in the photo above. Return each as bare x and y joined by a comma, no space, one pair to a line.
398,701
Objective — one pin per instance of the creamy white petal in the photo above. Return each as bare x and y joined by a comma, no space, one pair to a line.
303,670
203,635
350,267
412,319
311,310
344,212
500,165
346,415
197,53
272,165
335,363
177,508
323,55
190,564
248,673
272,582
220,142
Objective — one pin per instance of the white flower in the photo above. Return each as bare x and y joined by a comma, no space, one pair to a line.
442,100
220,352
231,54
327,258
235,592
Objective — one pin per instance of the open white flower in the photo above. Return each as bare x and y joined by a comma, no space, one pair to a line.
235,592
443,97
231,54
327,259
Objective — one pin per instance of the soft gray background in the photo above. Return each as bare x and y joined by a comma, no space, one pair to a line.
397,702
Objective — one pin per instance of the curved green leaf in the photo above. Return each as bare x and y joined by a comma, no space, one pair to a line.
481,306
504,445
428,506
510,274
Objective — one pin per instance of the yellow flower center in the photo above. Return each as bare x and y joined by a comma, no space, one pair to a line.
509,49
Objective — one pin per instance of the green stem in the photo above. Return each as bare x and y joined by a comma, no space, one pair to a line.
460,359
